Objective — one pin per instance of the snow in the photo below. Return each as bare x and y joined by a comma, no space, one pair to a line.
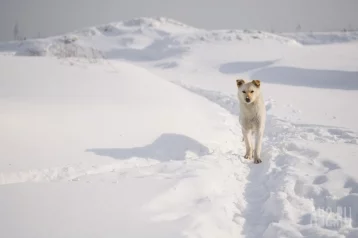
130,129
319,38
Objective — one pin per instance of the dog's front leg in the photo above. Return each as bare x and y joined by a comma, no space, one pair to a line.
258,143
247,139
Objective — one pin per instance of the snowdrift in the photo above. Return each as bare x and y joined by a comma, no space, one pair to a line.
130,129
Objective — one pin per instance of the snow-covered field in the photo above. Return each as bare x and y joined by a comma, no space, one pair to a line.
130,130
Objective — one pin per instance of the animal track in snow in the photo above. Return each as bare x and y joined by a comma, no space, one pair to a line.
277,190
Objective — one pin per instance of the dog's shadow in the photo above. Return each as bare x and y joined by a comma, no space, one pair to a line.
166,147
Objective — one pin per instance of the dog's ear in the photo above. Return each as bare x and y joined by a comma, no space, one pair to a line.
239,82
257,83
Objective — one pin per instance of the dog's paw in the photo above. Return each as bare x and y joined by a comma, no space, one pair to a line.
247,156
257,161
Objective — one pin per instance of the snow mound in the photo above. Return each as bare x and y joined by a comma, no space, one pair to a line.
154,22
138,39
87,136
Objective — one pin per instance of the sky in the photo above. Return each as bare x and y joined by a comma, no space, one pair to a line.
51,17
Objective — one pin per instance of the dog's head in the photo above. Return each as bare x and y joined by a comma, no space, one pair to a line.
248,92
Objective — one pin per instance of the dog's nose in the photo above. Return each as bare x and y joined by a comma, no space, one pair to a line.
247,99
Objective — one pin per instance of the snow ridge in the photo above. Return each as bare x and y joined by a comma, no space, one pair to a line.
141,36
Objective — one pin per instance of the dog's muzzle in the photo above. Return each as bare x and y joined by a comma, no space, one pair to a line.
247,99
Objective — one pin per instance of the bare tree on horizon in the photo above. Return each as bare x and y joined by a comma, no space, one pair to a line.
16,31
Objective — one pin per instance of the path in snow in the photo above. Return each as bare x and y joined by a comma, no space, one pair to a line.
288,188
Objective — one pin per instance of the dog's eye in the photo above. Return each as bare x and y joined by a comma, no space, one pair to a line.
252,91
243,91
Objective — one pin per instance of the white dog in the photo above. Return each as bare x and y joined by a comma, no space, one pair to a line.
252,116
